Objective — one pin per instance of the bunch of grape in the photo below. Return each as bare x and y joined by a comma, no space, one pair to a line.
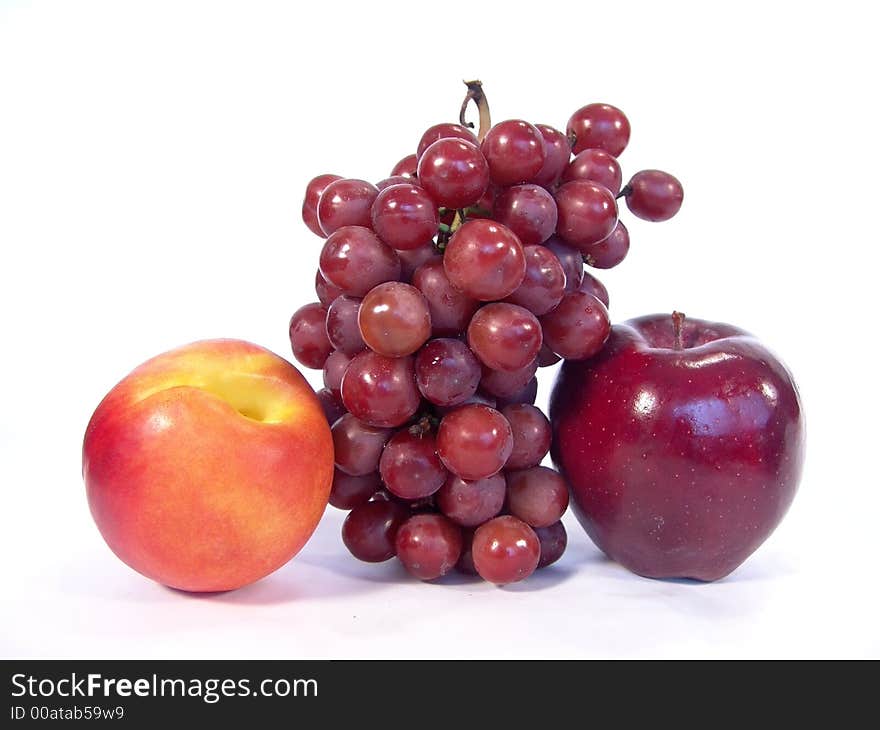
442,289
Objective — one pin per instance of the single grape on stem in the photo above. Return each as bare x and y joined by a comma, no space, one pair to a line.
653,195
504,336
308,336
447,372
485,260
370,529
409,465
380,390
355,260
474,442
428,545
394,319
345,202
357,445
599,126
505,550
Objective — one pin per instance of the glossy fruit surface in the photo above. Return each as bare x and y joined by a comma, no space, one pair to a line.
394,319
404,217
484,260
454,173
696,458
355,260
474,441
505,550
654,195
587,213
527,210
504,336
578,328
599,126
370,529
428,545
308,337
514,150
380,390
345,202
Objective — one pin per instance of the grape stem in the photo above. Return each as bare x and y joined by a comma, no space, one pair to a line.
624,191
677,325
475,94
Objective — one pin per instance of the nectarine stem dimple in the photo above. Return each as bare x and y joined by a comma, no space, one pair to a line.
677,325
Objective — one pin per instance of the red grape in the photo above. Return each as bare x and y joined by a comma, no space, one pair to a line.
538,496
450,309
506,384
526,395
370,529
447,372
514,150
527,210
454,173
310,201
404,217
348,492
654,195
544,284
587,212
557,153
610,251
308,337
331,404
444,131
325,290
355,260
484,260
504,336
394,180
406,167
428,545
591,285
410,466
505,550
334,368
553,541
345,202
342,325
571,259
394,319
578,327
357,445
596,165
410,261
379,390
472,503
599,126
531,435
479,398
474,441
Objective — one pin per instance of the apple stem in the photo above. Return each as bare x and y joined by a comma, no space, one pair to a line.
475,94
677,325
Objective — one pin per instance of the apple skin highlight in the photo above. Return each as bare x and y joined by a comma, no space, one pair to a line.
683,445
209,466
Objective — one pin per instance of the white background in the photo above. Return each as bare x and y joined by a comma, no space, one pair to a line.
152,162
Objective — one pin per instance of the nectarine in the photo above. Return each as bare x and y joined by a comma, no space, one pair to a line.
209,466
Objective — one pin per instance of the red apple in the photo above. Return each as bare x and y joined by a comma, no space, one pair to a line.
683,443
209,466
